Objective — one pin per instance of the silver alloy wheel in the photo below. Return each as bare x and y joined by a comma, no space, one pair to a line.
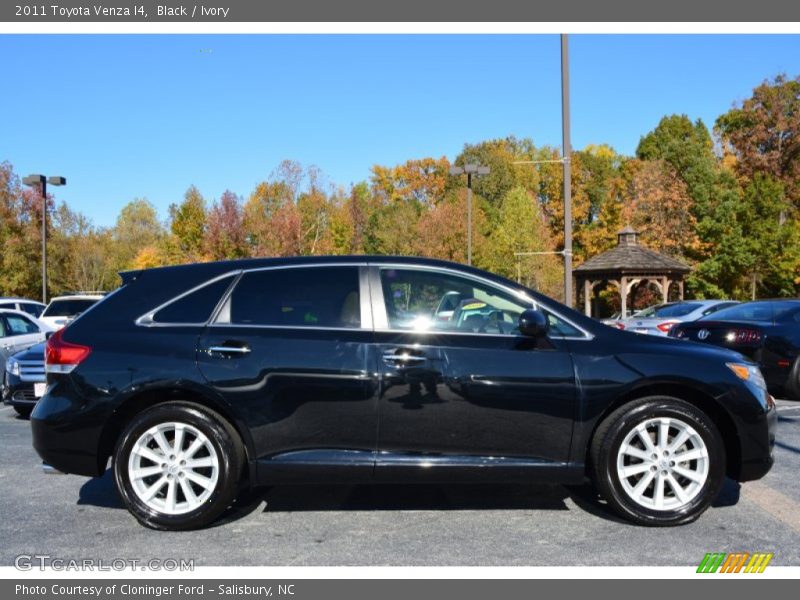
173,468
662,464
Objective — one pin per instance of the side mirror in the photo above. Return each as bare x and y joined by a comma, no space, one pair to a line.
533,323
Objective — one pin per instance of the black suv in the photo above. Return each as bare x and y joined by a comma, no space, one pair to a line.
198,379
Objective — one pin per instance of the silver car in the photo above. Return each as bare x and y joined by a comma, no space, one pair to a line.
659,319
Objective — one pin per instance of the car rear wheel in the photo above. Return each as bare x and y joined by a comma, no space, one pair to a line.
24,411
658,461
177,466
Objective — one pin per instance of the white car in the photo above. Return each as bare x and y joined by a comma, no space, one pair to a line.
32,307
19,331
63,309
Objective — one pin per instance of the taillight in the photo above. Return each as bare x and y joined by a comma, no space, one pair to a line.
665,326
743,336
618,325
61,356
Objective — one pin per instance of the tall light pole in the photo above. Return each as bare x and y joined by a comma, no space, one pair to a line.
40,182
566,153
470,169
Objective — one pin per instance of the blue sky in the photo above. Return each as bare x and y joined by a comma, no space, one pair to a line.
147,115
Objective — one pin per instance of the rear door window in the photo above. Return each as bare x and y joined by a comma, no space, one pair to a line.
32,309
296,297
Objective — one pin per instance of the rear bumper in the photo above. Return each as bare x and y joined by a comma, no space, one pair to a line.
66,434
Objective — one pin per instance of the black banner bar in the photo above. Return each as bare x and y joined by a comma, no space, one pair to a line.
464,11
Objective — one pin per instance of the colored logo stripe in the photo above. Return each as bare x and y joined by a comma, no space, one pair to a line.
734,563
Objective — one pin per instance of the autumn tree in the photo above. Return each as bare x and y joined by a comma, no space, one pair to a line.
421,180
225,234
658,205
763,134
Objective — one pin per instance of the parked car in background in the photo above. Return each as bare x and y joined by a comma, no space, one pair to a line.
24,381
18,331
766,331
63,309
32,307
659,319
199,379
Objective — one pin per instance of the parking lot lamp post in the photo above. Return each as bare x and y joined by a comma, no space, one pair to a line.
470,169
40,182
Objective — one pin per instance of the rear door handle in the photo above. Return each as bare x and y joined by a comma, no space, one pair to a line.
402,358
230,349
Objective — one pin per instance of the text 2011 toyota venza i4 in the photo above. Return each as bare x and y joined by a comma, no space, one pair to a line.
196,380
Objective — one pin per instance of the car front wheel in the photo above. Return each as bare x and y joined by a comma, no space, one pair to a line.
658,461
177,466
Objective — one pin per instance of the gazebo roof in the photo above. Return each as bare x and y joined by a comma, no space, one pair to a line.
631,258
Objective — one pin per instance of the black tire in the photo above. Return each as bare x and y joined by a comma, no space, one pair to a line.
609,437
24,411
225,442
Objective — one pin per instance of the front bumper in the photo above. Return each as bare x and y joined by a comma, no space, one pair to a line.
758,449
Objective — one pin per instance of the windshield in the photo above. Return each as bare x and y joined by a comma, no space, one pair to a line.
676,309
67,307
753,311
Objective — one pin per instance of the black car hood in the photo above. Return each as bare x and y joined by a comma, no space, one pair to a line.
33,353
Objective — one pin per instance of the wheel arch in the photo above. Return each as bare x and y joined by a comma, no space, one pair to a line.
698,398
153,396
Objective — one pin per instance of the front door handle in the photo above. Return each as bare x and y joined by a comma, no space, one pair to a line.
229,349
402,358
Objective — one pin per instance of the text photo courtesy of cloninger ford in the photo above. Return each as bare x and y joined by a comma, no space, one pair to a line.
342,299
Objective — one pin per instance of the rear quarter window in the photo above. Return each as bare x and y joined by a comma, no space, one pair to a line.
196,306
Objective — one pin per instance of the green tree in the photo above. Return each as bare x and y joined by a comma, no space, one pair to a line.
137,227
521,228
188,225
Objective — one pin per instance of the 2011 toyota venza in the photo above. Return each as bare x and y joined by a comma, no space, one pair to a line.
196,380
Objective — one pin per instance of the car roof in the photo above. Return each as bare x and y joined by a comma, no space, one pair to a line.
78,297
14,311
225,266
16,299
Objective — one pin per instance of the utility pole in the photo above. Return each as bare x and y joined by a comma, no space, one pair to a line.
470,170
566,152
40,182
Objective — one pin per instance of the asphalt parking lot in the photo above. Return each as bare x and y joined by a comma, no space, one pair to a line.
72,517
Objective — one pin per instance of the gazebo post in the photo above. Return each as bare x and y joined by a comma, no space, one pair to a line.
587,297
623,292
665,289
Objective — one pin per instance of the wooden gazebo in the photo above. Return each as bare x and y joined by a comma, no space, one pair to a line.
627,266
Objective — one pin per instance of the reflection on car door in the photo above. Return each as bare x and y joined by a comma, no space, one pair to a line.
290,349
469,391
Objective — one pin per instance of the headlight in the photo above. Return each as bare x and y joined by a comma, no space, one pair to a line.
12,366
749,373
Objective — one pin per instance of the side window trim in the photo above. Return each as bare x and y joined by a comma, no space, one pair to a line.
221,315
381,319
